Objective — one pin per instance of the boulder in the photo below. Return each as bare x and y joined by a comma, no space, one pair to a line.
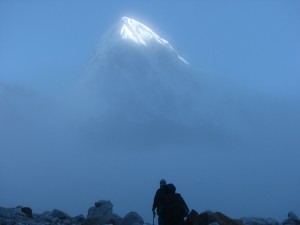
53,217
132,218
192,218
292,219
10,216
258,221
27,211
209,218
21,215
94,221
205,218
293,216
100,214
222,219
80,219
115,219
55,214
102,210
60,215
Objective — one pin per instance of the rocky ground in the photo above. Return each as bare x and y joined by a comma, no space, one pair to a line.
102,214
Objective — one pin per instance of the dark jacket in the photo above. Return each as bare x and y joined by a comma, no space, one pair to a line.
159,195
174,208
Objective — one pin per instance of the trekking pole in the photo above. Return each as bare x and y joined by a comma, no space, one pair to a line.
153,218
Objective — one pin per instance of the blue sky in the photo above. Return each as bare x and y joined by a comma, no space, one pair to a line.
255,42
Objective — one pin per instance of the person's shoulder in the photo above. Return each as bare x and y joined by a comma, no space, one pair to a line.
161,189
158,190
179,196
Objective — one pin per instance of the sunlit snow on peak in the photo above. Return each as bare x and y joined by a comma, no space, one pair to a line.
138,32
141,34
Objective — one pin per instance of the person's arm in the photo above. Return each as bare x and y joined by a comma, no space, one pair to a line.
155,201
186,208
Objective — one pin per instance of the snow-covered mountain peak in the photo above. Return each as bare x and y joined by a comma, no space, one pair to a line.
139,33
130,30
133,30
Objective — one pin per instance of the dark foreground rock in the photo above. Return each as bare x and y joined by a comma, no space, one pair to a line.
99,214
102,214
210,217
218,218
19,216
293,219
258,221
132,218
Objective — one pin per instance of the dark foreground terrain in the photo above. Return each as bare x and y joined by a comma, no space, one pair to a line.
102,213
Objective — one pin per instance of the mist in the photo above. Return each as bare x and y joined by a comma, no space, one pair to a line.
69,138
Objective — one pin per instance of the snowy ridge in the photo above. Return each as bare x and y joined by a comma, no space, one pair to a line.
131,30
142,34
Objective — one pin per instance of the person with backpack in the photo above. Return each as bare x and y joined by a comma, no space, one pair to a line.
173,207
159,195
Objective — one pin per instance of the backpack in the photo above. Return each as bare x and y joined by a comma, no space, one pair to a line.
174,207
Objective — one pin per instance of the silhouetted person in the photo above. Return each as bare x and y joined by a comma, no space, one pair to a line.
158,198
173,207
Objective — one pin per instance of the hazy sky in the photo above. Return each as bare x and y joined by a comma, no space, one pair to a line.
255,42
44,44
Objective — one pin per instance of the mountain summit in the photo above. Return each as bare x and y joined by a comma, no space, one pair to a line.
131,31
137,88
137,74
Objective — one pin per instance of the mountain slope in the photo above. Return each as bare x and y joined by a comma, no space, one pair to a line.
138,74
137,87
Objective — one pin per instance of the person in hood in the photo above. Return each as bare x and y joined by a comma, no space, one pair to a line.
158,198
173,207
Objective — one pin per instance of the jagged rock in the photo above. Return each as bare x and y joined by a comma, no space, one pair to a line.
292,219
209,218
16,216
293,216
258,221
101,214
94,221
102,210
192,218
205,218
55,216
115,219
10,216
59,214
132,218
225,220
80,219
27,211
